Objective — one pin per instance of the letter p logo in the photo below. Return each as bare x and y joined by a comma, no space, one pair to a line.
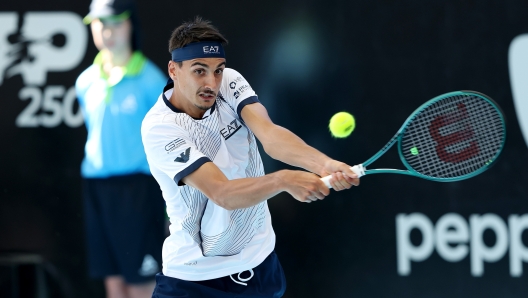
46,41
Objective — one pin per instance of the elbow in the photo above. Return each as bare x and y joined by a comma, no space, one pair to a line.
222,202
269,150
225,204
228,207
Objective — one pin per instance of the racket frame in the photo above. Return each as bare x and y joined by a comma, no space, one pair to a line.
398,137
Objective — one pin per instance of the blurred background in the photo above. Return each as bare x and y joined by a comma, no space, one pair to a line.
394,236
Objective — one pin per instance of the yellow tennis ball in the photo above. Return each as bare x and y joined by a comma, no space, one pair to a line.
342,124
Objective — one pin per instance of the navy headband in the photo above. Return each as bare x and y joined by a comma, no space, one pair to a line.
202,49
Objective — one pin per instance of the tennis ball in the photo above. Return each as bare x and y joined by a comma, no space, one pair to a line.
342,124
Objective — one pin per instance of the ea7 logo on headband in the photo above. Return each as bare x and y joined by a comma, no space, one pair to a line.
211,50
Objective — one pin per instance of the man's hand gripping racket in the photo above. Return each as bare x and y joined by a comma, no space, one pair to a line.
452,137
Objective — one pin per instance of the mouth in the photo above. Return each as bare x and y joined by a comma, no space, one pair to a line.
207,96
109,43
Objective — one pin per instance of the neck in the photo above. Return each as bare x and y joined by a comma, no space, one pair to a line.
115,58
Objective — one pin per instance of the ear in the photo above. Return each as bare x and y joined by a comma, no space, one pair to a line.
171,69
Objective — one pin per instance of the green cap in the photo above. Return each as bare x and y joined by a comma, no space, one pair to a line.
111,10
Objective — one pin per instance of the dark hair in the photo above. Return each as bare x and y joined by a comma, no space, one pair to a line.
194,31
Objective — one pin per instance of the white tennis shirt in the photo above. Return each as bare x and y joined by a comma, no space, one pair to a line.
206,240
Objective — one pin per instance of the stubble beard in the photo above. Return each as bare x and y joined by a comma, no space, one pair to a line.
207,91
202,107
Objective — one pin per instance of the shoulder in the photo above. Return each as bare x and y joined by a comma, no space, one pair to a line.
150,82
150,67
235,89
152,72
161,121
231,81
156,134
231,74
87,77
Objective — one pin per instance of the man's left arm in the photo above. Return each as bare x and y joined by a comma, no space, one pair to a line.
281,144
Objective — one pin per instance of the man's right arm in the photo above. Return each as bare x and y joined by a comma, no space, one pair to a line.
169,149
247,192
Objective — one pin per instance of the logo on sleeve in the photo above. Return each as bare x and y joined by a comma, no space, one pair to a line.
174,145
233,84
241,90
184,156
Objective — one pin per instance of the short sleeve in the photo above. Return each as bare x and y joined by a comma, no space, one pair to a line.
170,150
236,91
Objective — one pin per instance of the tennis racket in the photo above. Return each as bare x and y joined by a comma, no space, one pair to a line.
452,137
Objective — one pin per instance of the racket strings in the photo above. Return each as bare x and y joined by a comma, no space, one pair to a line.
453,137
464,164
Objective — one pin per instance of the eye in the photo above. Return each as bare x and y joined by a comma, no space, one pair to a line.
199,71
219,71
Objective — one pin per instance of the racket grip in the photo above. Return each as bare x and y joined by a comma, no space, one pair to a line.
358,169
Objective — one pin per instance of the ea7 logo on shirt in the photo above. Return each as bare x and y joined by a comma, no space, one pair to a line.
211,50
231,129
184,156
174,145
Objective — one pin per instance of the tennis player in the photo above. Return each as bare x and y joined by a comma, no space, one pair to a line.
200,143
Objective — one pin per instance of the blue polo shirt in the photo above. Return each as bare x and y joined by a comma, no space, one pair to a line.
113,107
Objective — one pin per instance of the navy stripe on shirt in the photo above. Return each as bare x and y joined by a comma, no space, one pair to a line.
188,170
245,102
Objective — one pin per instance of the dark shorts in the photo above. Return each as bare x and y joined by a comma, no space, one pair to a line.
125,227
268,281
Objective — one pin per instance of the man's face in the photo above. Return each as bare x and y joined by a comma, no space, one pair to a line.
197,82
111,34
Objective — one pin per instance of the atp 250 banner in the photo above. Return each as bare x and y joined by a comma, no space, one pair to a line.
32,45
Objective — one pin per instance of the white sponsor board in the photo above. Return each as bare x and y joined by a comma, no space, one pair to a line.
454,238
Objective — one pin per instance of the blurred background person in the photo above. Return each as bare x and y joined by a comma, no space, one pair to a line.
123,207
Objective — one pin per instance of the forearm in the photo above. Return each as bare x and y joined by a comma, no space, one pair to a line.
289,148
246,192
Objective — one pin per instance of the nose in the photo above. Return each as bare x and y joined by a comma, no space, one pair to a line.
211,81
107,32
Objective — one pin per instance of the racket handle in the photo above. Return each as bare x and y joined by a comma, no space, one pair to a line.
358,169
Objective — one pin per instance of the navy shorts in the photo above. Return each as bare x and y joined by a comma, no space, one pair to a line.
125,227
268,281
